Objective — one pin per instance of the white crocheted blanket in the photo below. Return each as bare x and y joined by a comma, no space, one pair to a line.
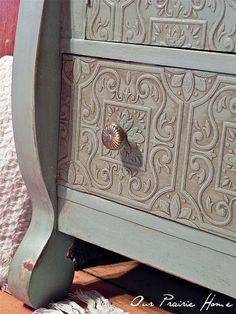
96,304
15,207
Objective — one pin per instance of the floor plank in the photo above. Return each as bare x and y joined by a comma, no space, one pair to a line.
153,284
10,305
120,297
122,280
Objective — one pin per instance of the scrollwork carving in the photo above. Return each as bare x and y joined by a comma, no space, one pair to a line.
195,24
211,158
179,161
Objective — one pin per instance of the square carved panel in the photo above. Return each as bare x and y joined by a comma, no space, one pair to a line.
180,160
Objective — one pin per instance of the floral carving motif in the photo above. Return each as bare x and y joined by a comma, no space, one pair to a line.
175,37
133,126
230,160
227,103
180,126
222,208
174,208
178,33
201,24
134,134
190,84
228,177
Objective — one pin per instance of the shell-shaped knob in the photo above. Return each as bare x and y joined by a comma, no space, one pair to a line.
113,136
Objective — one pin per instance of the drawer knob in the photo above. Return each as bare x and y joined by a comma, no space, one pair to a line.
113,136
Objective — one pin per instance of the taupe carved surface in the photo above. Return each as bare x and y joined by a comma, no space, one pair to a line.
181,127
195,24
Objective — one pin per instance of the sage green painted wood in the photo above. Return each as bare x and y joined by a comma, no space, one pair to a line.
182,58
73,19
150,221
171,254
202,25
195,255
86,165
40,271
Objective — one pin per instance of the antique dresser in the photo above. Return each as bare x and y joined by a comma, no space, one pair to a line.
141,96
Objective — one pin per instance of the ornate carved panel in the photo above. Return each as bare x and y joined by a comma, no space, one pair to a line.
180,160
195,24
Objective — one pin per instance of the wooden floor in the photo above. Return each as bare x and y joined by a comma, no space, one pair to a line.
123,280
101,278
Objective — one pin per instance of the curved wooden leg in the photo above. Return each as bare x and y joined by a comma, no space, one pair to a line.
41,272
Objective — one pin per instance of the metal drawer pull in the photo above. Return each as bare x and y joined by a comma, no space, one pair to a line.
113,136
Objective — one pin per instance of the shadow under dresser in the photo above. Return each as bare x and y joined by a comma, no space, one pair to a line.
143,94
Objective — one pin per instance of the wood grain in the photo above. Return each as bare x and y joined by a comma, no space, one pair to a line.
118,296
10,304
8,20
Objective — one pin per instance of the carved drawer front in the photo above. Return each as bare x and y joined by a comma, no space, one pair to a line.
180,124
195,24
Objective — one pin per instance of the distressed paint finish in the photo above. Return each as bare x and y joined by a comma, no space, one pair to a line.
203,24
73,19
35,275
8,20
181,58
187,252
175,253
180,126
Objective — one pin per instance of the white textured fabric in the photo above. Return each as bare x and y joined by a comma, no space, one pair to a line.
96,304
15,207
